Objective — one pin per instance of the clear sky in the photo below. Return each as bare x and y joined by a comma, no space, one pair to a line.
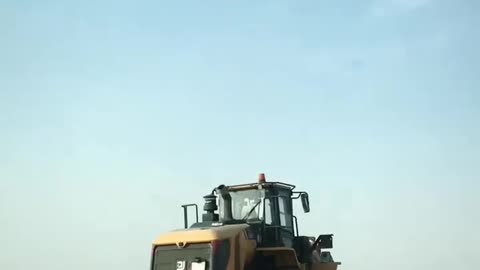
114,113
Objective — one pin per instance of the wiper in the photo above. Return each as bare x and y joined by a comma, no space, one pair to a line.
251,210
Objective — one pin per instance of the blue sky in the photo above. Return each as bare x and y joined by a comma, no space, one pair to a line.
114,113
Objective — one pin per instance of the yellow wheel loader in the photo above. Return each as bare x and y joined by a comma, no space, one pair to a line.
244,227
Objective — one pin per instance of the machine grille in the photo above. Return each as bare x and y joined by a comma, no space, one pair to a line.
174,258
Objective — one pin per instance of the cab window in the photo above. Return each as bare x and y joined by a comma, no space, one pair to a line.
284,210
268,212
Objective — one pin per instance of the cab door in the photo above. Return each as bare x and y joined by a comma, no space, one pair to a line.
284,202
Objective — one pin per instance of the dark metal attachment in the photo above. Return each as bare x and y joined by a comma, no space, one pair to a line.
185,213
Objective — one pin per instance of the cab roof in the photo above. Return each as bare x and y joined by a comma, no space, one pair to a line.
264,185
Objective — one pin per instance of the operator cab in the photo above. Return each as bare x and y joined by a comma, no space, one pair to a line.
266,206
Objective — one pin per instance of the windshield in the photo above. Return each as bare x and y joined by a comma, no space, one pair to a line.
243,201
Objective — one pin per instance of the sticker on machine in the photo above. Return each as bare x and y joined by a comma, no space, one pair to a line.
198,266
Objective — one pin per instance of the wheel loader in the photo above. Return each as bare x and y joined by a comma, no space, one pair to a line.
244,227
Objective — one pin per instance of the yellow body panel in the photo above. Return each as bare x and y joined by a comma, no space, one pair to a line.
246,250
198,235
242,248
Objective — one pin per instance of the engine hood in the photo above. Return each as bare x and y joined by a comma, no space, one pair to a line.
198,235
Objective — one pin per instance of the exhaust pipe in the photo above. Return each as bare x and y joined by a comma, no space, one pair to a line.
227,200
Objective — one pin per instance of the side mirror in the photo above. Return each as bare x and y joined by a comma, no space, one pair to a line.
305,202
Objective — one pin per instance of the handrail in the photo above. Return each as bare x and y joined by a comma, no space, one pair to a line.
185,214
296,225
